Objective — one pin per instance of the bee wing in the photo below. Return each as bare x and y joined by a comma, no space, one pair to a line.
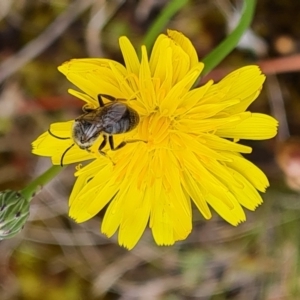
90,124
114,113
91,116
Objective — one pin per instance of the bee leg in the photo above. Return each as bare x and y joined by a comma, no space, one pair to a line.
102,145
87,109
108,97
121,145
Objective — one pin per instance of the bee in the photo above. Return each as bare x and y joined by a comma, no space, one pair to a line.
107,120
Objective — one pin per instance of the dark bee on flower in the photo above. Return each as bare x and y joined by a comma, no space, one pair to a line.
107,120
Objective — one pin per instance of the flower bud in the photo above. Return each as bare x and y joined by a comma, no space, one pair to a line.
14,211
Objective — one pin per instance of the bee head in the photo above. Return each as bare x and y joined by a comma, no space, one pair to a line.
85,133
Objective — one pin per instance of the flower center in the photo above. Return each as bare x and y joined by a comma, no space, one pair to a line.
155,130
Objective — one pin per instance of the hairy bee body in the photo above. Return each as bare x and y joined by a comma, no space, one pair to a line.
110,119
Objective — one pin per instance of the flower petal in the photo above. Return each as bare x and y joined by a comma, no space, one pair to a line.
93,196
194,191
243,84
130,57
257,127
94,76
146,85
161,222
186,46
192,97
169,104
90,102
247,195
250,171
135,217
113,215
234,215
214,142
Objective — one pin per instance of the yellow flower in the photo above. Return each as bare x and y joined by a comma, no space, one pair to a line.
190,153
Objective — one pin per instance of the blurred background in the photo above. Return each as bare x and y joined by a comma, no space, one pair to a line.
54,258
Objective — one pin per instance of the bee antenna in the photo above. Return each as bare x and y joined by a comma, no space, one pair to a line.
58,137
62,157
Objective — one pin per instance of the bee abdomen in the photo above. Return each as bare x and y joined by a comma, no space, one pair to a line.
134,119
128,122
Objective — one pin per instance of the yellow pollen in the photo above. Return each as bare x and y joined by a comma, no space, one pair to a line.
78,167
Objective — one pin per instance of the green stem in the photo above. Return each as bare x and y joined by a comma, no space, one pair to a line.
223,49
168,12
33,187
